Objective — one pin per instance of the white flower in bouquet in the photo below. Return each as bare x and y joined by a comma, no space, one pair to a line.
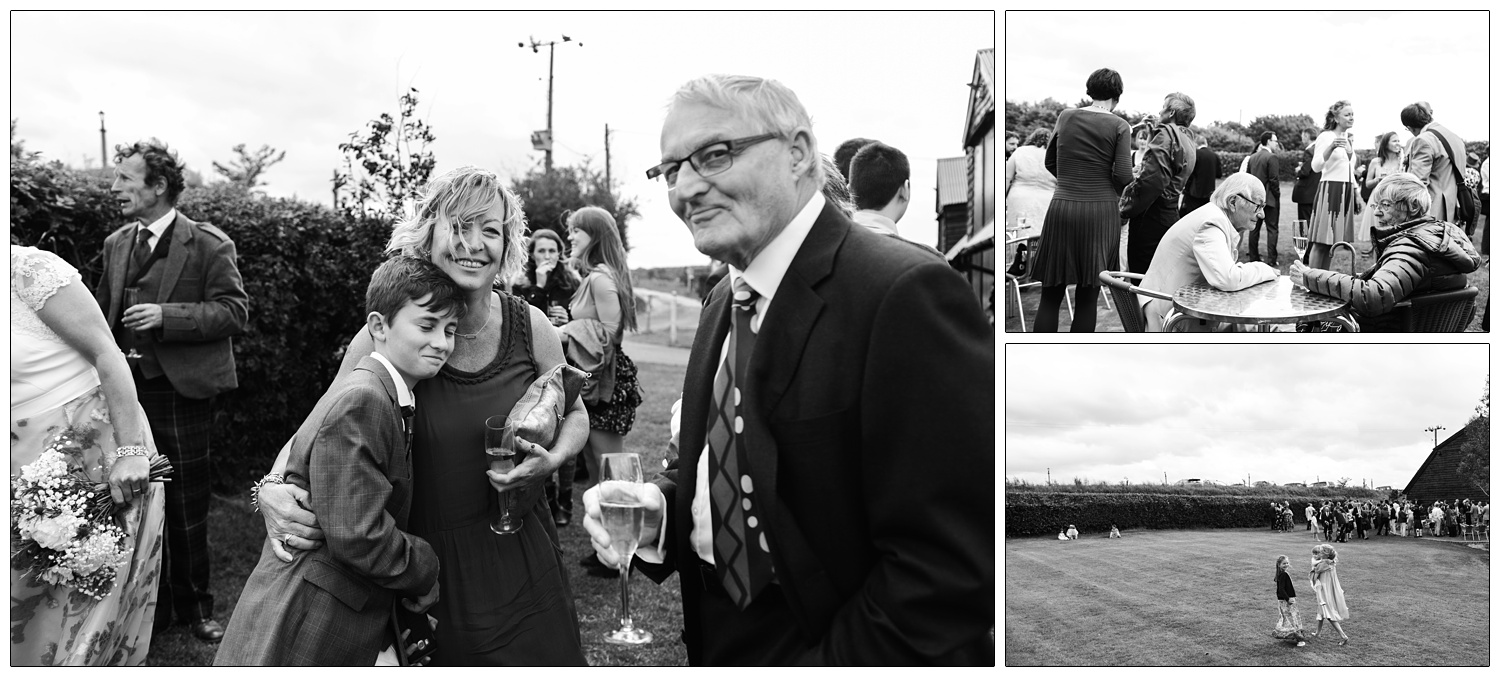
100,550
57,575
50,465
55,533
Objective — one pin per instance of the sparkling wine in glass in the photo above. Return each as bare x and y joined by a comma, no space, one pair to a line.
500,447
132,298
1299,238
623,511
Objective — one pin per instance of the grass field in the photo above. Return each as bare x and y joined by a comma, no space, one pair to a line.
1208,598
1108,320
236,536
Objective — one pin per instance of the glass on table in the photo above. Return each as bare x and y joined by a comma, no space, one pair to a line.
623,510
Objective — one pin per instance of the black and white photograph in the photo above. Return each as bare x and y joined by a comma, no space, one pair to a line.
1259,171
483,338
1247,505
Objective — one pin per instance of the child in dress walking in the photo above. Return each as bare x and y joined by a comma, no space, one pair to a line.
1325,584
333,606
1289,627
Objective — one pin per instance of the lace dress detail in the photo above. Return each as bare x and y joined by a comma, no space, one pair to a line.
35,276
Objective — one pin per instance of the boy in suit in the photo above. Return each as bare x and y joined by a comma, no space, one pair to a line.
353,455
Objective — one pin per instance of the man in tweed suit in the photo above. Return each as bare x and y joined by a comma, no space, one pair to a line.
332,606
190,301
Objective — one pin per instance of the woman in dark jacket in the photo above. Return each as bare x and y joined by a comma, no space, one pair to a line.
547,283
1090,155
1414,253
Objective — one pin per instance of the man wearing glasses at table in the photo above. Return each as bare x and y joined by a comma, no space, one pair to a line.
834,500
1201,247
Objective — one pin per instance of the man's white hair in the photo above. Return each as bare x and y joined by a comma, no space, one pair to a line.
1238,183
767,102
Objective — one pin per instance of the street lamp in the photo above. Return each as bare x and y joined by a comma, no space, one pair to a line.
543,140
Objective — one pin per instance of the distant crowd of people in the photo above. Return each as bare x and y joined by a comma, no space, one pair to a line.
1076,185
1341,521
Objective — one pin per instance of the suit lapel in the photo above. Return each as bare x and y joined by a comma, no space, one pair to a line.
384,376
121,259
183,232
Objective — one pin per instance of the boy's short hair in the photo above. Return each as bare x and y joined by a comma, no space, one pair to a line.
877,173
403,278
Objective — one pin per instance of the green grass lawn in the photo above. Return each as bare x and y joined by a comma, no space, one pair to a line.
236,536
1108,320
1208,598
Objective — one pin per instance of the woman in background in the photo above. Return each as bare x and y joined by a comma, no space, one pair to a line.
548,285
1336,203
1387,161
1090,155
1028,184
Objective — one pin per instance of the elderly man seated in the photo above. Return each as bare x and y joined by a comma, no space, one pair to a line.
1414,253
1201,247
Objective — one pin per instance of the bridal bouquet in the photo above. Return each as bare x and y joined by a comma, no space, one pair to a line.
63,529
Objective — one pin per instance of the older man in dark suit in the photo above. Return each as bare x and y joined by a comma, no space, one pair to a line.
834,499
173,297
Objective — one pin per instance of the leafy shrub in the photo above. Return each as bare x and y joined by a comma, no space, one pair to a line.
1031,513
305,269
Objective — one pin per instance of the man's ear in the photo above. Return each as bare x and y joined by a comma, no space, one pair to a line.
905,191
375,324
802,155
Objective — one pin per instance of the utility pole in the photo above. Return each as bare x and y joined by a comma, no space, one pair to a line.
1434,430
1049,476
546,143
103,154
607,185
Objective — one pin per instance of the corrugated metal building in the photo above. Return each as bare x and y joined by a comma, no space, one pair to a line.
1438,479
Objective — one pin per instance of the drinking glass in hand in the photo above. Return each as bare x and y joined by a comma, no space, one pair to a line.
500,447
132,298
623,512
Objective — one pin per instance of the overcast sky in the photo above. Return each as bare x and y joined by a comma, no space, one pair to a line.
1240,65
302,82
1282,413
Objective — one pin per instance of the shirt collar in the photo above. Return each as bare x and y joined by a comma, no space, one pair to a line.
875,221
765,272
404,395
159,226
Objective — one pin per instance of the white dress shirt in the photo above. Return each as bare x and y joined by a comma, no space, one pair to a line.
157,227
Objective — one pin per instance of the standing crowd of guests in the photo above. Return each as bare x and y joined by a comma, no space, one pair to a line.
1159,176
1342,520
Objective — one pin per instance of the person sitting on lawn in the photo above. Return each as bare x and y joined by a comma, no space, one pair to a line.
1415,253
333,606
1062,534
1072,532
1114,531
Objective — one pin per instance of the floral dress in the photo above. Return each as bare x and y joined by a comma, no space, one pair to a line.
56,402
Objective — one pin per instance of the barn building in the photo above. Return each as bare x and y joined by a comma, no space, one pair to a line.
1438,479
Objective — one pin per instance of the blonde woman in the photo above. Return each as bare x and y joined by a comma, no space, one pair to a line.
1337,199
505,598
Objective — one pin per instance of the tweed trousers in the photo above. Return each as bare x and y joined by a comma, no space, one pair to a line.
181,427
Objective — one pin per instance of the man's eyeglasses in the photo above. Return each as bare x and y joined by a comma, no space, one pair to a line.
711,159
1258,205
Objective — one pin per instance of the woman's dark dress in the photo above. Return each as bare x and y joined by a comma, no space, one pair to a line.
557,292
504,600
1090,155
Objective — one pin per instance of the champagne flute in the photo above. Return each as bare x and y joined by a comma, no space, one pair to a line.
1299,237
623,512
132,298
500,447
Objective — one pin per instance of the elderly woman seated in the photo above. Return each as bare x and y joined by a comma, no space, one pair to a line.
1414,253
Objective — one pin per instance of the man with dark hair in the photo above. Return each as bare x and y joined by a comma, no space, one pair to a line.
880,179
1265,166
1428,159
1206,173
172,295
844,154
1305,191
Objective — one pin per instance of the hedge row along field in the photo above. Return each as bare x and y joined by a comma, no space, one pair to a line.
1036,513
1268,491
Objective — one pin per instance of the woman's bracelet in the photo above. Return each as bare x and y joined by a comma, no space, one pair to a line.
131,450
270,478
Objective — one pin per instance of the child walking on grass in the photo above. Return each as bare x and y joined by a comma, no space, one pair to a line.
1325,584
1289,627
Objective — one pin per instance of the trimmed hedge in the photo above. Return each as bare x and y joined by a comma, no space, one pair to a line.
1032,514
305,268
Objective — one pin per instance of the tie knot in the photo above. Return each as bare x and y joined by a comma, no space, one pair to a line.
408,411
744,295
143,236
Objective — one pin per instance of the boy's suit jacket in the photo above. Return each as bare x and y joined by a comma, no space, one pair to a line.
332,606
870,425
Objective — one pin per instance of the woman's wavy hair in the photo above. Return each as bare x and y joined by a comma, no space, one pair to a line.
562,268
449,204
604,247
1328,118
1039,137
1383,146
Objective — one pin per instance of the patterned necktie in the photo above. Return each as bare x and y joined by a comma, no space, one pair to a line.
140,256
408,417
741,551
